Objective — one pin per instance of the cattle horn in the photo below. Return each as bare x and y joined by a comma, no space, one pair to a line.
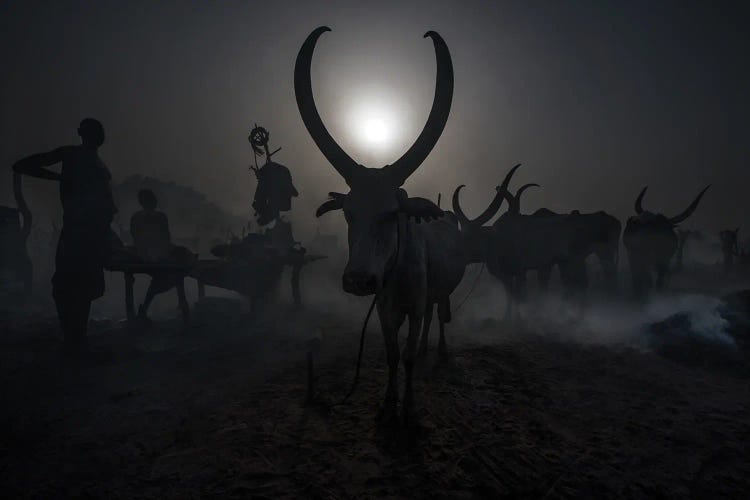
441,105
639,201
338,158
457,208
690,209
489,212
506,181
499,197
497,201
335,202
515,207
493,207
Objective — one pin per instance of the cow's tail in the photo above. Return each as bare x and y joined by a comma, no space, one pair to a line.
471,290
361,350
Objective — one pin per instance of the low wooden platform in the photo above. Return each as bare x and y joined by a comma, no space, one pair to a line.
251,278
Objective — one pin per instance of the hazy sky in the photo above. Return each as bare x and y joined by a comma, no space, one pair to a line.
596,98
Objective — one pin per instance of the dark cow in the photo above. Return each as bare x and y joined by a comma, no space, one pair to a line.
513,245
517,243
399,247
729,247
651,242
596,233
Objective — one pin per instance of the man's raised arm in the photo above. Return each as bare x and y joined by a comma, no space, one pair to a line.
34,165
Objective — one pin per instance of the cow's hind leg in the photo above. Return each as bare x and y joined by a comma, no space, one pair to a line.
509,294
543,276
641,274
444,316
608,262
410,354
575,281
390,322
518,296
424,342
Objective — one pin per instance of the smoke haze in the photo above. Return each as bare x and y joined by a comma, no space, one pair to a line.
596,99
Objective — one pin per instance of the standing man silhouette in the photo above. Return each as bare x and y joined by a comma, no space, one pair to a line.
84,245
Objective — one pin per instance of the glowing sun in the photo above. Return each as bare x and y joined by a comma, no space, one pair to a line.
374,126
374,130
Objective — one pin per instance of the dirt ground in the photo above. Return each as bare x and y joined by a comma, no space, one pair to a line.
220,410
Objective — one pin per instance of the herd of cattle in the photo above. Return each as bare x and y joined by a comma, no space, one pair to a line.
411,254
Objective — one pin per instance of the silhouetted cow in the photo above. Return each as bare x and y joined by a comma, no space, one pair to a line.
518,243
650,241
408,265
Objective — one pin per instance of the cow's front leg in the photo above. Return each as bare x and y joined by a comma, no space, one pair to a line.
410,354
641,275
390,322
662,274
510,293
608,262
543,276
424,343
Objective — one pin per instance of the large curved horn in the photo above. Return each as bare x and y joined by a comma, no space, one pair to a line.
441,107
341,161
515,207
485,216
690,209
496,203
457,207
506,181
490,211
508,197
639,201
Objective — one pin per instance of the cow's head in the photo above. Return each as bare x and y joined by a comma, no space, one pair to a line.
475,234
645,222
376,204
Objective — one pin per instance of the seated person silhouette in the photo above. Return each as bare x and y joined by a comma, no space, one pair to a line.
153,244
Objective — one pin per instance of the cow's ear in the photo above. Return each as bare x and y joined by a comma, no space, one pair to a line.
335,203
421,208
